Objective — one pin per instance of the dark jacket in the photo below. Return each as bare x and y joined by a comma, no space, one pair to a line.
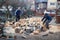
47,17
18,12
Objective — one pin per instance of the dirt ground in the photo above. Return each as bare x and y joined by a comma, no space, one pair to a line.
55,36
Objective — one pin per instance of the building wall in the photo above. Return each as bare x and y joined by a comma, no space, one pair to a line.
52,4
58,4
41,1
41,4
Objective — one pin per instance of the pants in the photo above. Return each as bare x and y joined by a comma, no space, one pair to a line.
47,23
17,18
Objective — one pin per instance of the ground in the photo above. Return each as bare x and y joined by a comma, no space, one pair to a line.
55,36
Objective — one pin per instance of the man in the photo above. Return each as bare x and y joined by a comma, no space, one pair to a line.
18,13
47,19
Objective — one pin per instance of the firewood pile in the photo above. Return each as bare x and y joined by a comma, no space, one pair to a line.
31,26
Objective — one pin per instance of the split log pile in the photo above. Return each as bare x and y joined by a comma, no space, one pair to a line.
32,24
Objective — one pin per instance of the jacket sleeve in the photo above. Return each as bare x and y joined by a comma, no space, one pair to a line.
43,18
15,12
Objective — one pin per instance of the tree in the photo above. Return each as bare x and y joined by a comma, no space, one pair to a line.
13,3
6,3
